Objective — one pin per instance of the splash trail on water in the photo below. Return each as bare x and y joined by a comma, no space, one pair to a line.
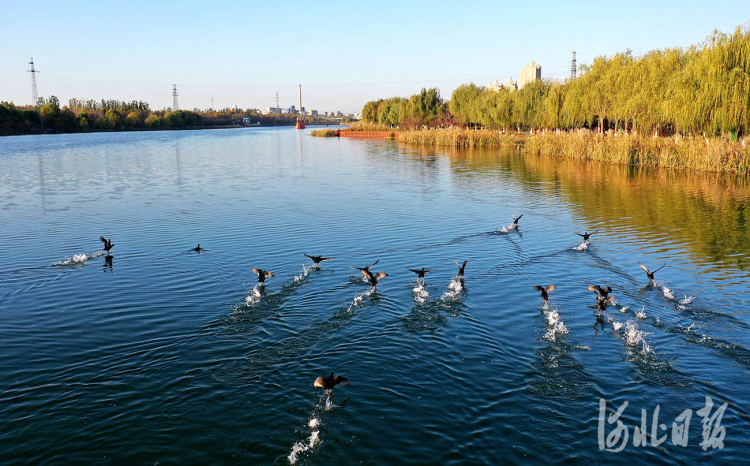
78,259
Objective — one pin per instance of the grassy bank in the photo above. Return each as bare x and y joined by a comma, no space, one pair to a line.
697,153
456,137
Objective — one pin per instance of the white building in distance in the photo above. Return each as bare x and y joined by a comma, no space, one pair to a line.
529,73
497,85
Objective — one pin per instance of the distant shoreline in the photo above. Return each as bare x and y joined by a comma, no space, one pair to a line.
146,129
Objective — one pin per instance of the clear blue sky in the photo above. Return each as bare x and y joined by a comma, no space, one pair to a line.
343,53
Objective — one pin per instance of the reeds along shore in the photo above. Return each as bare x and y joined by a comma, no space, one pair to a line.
696,153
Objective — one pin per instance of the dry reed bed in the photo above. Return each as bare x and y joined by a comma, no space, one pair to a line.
694,153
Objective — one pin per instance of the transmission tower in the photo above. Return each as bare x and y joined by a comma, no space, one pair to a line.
34,94
212,103
573,67
277,100
175,107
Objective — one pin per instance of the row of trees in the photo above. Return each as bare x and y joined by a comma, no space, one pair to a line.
702,89
419,109
91,115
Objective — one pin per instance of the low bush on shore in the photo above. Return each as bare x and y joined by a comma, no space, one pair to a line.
324,133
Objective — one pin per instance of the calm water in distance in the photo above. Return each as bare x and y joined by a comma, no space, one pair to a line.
164,355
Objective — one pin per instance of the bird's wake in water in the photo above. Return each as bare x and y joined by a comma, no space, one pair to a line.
635,337
454,289
254,296
79,258
669,294
420,292
358,299
301,447
554,324
684,303
305,273
506,229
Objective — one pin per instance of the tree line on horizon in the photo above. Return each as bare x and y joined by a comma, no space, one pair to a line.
703,89
81,115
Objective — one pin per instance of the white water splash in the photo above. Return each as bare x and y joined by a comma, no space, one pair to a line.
688,328
642,313
545,306
358,299
582,247
635,337
79,259
624,309
254,296
507,228
305,272
555,325
301,447
685,302
667,292
454,289
616,325
420,293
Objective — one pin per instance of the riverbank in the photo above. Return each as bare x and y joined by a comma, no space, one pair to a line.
718,155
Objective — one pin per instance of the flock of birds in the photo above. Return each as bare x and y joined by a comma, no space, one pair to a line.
604,294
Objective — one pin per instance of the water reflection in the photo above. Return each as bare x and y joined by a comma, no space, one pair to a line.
704,211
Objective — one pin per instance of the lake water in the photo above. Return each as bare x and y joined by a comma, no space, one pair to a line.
163,355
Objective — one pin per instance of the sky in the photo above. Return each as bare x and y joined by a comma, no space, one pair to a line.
343,53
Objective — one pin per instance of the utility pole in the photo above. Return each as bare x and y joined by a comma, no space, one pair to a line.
212,103
34,94
573,67
175,107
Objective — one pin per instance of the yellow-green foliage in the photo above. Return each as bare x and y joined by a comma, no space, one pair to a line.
365,126
703,89
325,133
695,153
456,137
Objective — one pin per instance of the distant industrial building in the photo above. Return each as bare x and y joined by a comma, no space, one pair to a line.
273,111
529,73
313,113
497,85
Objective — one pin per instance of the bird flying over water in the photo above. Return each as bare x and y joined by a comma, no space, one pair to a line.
601,293
262,275
329,382
586,235
420,273
460,267
365,270
601,304
107,243
545,291
319,259
372,278
649,273
516,219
